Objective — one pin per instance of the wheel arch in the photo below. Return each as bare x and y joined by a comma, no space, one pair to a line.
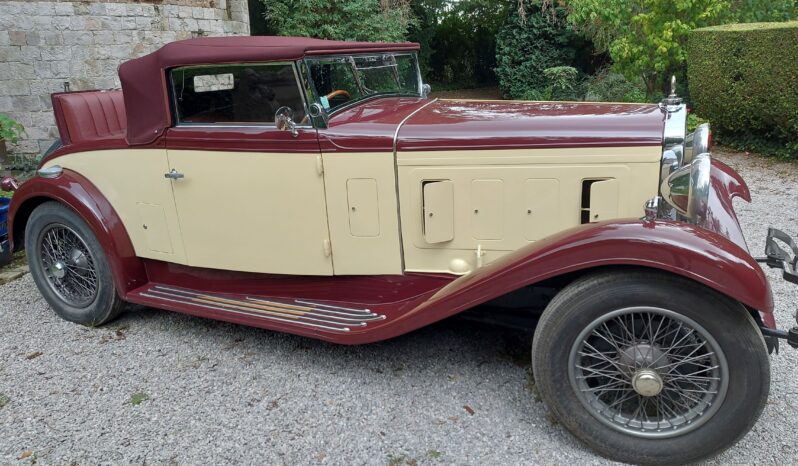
81,196
562,281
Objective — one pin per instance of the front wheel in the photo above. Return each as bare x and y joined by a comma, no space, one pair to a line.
69,266
649,368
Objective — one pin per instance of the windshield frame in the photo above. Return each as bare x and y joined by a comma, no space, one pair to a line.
315,97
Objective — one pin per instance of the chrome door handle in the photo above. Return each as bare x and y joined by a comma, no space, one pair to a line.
174,175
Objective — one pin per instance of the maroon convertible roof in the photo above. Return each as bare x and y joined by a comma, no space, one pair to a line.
144,79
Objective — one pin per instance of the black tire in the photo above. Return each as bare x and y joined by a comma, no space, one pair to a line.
578,307
96,308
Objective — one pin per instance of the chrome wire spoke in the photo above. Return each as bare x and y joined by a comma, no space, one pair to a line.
648,371
69,266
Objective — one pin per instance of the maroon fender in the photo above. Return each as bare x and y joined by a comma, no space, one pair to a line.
78,193
679,248
726,184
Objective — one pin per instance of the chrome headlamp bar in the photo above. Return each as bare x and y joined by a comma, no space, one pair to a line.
697,142
687,189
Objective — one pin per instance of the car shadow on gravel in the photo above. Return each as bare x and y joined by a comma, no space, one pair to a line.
470,337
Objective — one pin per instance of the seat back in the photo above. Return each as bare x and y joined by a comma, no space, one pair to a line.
90,115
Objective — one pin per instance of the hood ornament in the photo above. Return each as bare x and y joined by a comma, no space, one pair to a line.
673,101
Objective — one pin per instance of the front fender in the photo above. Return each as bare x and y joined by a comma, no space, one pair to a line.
78,193
674,247
721,218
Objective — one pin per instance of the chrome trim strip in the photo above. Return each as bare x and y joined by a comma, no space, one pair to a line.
396,176
311,303
404,120
307,324
288,309
258,312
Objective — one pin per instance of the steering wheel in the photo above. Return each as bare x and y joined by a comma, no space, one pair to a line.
338,92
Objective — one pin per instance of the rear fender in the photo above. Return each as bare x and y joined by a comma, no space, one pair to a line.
674,247
79,194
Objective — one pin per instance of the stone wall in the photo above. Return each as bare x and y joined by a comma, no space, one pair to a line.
46,43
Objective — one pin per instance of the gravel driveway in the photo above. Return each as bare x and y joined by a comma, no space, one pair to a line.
161,388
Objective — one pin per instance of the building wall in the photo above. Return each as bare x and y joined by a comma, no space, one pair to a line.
44,44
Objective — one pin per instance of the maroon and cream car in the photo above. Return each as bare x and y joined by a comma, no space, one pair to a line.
313,187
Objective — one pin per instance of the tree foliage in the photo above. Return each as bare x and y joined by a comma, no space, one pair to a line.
646,38
458,39
363,20
529,43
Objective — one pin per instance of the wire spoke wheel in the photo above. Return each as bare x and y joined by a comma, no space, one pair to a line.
68,264
648,372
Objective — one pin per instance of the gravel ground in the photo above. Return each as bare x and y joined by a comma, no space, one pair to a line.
161,388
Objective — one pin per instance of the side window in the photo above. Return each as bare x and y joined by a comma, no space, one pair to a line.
235,94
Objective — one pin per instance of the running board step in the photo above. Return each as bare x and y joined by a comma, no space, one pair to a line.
298,312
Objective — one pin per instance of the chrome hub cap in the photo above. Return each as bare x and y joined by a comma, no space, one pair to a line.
648,372
68,265
647,382
58,270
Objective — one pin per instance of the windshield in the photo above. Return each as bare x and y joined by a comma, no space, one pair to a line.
341,80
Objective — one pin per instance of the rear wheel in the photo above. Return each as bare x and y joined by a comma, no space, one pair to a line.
650,368
69,266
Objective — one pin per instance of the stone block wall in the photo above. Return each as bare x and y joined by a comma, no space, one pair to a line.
44,44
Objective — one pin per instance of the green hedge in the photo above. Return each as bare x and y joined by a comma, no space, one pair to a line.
744,79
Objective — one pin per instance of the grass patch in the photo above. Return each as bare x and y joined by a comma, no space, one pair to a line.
401,460
531,386
4,400
434,454
138,398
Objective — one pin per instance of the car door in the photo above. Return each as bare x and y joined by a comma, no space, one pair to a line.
249,197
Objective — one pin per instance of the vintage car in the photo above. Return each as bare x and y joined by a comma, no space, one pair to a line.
314,187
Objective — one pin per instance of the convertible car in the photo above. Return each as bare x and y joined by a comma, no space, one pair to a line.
314,187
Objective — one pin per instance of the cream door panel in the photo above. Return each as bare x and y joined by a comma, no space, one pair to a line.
528,195
365,241
438,205
133,182
252,211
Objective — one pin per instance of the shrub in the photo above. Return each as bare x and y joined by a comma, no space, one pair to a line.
10,129
607,86
694,121
743,78
563,82
527,46
365,20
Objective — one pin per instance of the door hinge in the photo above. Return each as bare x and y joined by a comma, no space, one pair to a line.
327,248
319,165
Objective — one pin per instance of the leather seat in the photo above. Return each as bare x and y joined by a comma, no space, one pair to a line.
90,115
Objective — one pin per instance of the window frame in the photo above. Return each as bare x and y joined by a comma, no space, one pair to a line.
176,123
315,96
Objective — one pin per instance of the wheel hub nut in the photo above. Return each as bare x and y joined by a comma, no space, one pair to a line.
647,382
58,270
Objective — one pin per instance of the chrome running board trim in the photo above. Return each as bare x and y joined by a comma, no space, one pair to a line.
300,312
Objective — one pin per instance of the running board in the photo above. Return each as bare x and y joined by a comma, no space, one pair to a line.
302,313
